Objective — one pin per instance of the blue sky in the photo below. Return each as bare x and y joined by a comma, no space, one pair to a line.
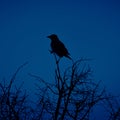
89,29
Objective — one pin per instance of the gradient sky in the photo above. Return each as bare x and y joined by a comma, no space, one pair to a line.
89,29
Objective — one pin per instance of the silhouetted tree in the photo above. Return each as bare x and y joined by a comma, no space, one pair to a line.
112,107
13,102
72,96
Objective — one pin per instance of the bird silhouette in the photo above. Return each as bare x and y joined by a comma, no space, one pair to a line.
58,47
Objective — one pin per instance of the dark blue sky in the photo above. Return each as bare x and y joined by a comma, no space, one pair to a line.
89,29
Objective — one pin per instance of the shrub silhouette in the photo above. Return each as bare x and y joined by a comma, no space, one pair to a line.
74,93
72,96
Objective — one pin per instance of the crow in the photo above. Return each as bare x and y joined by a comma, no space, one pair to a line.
58,47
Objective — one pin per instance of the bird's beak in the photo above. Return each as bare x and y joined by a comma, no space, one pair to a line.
48,36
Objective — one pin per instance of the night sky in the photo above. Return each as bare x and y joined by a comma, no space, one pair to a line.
88,28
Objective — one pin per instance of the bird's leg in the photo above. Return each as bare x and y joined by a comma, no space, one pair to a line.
57,60
55,57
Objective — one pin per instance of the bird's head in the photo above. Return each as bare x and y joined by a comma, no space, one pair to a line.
53,37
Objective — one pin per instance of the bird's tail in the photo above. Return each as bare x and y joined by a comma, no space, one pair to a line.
69,58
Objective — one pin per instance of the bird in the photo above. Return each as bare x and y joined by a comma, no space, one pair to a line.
58,47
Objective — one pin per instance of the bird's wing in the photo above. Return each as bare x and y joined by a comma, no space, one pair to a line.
62,48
